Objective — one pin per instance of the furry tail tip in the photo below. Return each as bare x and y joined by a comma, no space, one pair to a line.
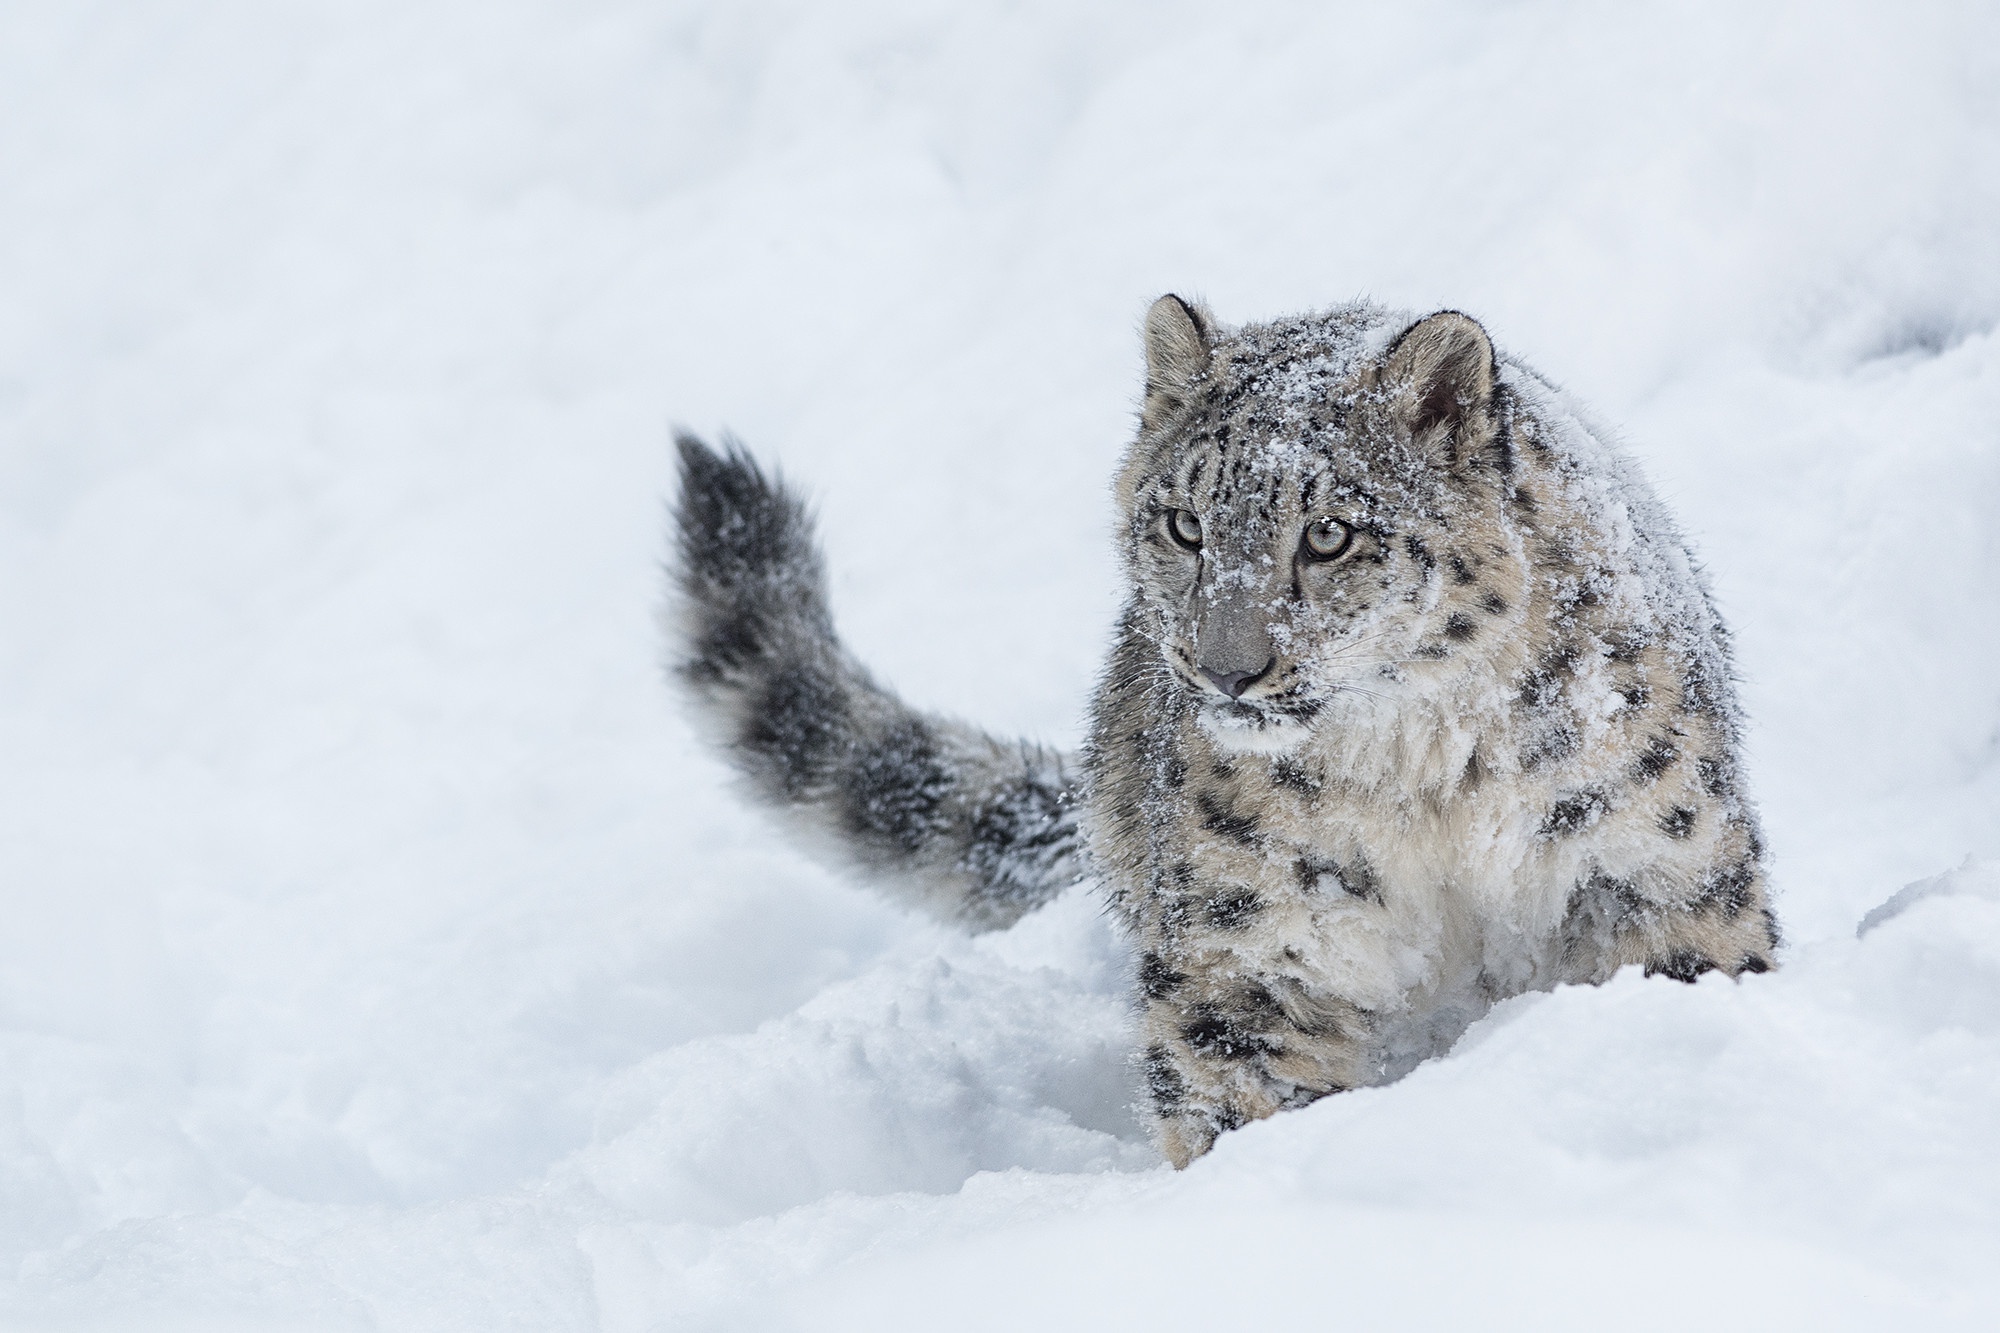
749,571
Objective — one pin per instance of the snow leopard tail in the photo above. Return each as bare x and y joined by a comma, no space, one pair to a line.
977,830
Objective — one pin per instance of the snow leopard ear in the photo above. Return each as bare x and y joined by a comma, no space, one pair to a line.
1442,372
1178,344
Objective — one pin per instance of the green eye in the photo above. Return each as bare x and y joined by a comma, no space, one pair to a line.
1184,528
1326,538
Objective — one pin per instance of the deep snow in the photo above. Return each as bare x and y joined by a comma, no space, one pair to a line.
383,952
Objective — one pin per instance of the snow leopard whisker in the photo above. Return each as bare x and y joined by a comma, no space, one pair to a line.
1376,661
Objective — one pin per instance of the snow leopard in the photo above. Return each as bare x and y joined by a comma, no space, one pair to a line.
1418,700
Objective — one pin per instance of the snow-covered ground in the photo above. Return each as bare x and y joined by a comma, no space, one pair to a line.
381,951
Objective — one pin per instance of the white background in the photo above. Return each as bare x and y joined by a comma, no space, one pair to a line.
379,950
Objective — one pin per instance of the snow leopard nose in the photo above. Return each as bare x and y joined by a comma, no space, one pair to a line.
1233,683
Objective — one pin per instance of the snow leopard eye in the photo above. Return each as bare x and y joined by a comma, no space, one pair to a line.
1184,528
1326,538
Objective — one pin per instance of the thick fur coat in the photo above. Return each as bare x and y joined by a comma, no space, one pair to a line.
1417,701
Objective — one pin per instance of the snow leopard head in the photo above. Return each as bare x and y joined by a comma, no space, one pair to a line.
1313,509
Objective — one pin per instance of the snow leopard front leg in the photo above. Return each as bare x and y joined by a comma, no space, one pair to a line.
1699,902
1224,1048
1727,927
1225,1039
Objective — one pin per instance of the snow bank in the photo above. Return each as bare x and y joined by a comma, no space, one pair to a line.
382,950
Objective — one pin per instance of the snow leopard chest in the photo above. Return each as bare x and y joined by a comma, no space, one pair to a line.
1420,913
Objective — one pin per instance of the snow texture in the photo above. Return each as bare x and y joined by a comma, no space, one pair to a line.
384,951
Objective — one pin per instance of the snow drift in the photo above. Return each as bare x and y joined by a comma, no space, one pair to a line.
383,952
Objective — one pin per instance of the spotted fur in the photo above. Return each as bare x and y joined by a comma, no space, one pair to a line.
1417,701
